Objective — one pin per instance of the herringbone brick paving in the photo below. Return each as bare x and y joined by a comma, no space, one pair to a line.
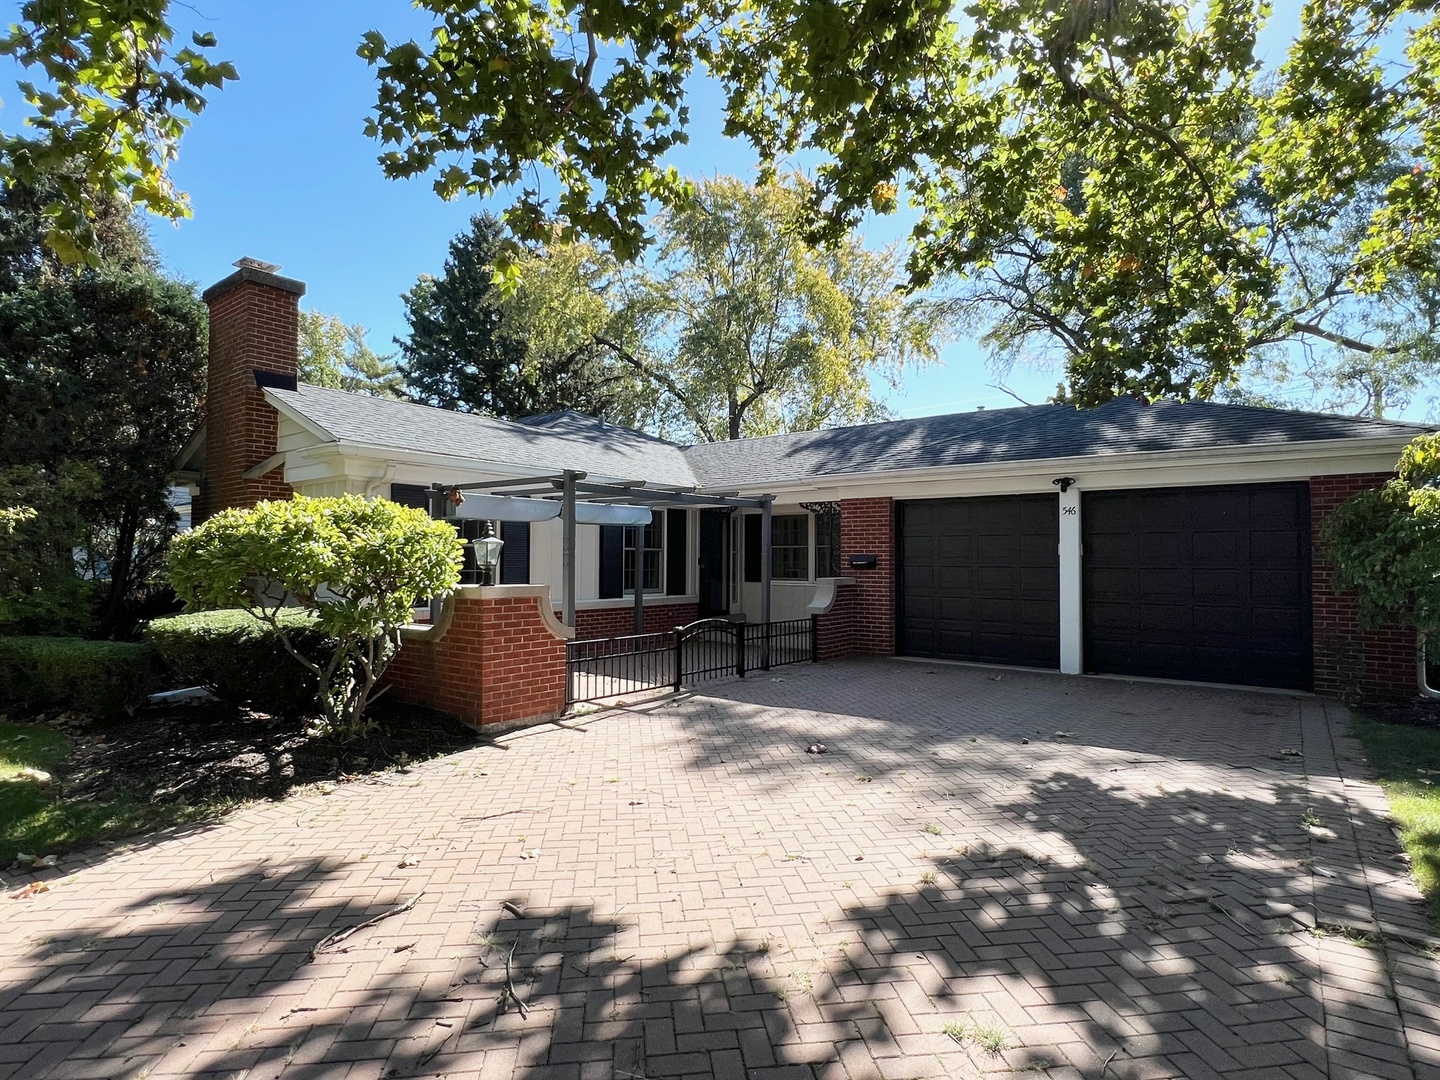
935,896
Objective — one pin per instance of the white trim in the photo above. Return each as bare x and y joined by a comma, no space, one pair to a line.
270,464
1246,464
1426,690
1072,561
827,591
298,417
628,601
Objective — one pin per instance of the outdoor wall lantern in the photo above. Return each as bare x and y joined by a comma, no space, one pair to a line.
864,562
487,552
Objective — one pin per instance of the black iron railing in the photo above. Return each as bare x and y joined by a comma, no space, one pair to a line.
601,668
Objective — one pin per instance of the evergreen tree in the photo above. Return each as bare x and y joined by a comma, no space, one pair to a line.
101,373
468,347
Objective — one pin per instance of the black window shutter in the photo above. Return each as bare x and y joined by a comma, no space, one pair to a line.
515,555
415,495
677,564
752,547
612,561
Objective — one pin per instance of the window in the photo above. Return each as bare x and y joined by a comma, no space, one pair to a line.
827,545
790,546
654,554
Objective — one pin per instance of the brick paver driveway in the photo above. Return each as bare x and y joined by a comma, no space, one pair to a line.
934,896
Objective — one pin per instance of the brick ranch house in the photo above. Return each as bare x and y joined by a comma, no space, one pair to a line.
1172,541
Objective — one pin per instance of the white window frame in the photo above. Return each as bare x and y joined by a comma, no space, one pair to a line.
658,520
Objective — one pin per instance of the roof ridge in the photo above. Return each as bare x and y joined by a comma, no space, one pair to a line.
868,424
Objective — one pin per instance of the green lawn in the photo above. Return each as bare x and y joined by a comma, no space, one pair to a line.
1408,761
35,820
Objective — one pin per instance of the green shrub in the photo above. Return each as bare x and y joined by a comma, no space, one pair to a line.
241,659
98,678
357,564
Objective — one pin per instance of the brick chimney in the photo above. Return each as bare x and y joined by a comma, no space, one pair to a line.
254,343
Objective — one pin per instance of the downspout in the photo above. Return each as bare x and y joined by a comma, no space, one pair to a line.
373,487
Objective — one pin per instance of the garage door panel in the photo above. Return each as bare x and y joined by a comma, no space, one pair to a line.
1157,550
949,579
1000,582
1283,585
1276,548
1161,584
1217,590
1219,584
1106,582
1218,549
992,572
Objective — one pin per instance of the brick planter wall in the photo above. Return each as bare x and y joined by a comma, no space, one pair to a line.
500,659
254,323
616,622
862,622
1349,662
835,630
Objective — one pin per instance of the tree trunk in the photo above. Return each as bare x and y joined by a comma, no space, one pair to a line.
120,567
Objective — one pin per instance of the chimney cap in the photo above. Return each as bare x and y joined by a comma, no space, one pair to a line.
246,262
253,270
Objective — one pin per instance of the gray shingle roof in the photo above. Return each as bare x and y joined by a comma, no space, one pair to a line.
1022,434
571,440
556,442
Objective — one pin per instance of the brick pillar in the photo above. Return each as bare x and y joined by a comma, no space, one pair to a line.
1350,662
254,327
867,527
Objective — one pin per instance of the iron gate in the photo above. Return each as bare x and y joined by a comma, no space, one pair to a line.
600,668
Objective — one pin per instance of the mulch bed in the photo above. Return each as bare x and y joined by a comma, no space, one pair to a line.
1421,712
213,751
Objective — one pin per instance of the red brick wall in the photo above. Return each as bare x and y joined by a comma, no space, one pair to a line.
616,622
835,630
1349,662
498,662
254,323
862,622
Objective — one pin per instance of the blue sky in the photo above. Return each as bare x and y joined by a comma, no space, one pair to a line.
277,168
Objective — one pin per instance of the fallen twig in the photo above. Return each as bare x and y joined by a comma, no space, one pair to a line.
510,984
513,909
331,940
1108,1060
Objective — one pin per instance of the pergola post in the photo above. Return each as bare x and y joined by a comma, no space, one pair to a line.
567,545
765,527
437,513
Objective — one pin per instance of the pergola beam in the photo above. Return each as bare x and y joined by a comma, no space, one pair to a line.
514,481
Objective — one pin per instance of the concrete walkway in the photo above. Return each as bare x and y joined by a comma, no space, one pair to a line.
934,896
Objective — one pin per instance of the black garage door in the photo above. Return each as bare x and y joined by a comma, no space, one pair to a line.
980,580
1204,583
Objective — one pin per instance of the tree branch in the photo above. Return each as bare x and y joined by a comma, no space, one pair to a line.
1343,340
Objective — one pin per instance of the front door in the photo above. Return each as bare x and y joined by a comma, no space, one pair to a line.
714,563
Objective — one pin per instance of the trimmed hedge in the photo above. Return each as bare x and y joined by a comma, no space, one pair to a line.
97,678
239,658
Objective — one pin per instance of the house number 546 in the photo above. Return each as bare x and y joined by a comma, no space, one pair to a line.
1069,509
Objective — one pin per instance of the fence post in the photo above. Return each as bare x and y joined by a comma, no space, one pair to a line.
766,636
679,665
814,639
569,676
740,648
